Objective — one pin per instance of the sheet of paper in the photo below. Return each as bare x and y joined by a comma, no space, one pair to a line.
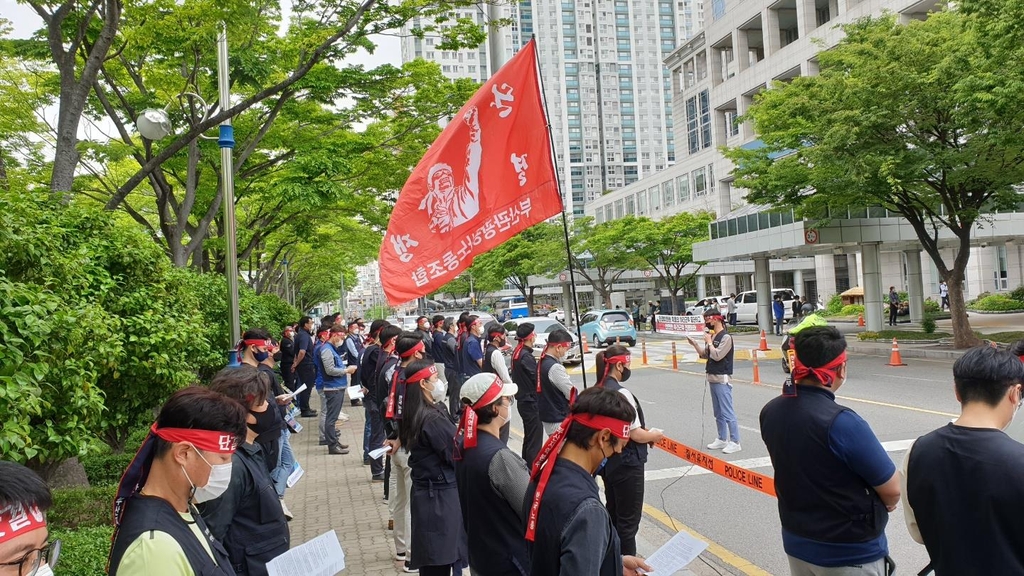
374,454
297,391
297,473
321,556
676,554
355,392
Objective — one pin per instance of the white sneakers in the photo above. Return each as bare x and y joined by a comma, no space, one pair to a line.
342,417
725,447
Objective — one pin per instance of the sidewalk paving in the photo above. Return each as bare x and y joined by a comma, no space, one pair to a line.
335,493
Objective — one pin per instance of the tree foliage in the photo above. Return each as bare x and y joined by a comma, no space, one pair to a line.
536,251
896,119
666,246
600,253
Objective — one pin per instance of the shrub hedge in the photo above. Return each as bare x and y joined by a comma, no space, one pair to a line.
84,551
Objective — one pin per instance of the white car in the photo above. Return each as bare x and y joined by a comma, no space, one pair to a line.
702,305
543,326
557,314
746,304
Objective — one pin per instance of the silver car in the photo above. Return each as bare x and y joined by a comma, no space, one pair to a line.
544,326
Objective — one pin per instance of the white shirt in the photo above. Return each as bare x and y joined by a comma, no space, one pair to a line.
498,363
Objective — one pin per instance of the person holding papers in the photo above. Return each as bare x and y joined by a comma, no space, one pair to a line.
624,472
427,430
248,518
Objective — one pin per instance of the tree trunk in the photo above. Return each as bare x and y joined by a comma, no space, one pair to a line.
675,303
66,156
963,334
529,300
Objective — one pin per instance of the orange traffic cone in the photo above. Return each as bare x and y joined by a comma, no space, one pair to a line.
617,340
764,343
675,359
757,371
643,348
894,358
860,320
586,348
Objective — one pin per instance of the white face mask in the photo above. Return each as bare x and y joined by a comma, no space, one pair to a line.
220,478
440,391
505,419
44,570
1014,415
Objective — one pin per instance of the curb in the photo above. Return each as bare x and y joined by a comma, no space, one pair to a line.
872,350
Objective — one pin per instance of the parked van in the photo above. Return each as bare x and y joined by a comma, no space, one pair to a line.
746,304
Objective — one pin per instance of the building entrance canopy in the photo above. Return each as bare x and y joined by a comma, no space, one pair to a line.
756,231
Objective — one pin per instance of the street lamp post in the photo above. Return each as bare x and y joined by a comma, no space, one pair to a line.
287,289
154,124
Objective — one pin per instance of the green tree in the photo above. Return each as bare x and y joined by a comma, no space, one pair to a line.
600,254
893,120
536,251
666,246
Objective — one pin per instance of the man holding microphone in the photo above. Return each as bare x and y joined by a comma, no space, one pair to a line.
717,348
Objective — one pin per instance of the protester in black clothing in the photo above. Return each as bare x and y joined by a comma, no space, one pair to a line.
186,459
423,331
305,369
254,349
248,517
375,358
492,481
524,374
894,305
554,388
438,538
624,472
444,352
288,356
963,483
569,528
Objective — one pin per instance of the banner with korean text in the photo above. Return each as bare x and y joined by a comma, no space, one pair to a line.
487,177
682,325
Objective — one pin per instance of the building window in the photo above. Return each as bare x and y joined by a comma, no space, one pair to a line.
668,193
699,183
683,187
618,209
1001,278
654,197
641,203
732,127
630,205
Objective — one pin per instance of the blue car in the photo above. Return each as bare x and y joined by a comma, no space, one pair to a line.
602,327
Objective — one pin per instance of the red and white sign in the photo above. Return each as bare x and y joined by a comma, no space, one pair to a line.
810,236
563,277
682,325
648,273
486,178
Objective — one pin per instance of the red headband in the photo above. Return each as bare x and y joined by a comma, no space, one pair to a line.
208,440
468,423
325,334
423,374
255,342
618,428
1021,357
610,361
544,353
826,374
419,347
16,520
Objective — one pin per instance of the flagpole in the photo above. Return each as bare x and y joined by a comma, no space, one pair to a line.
565,222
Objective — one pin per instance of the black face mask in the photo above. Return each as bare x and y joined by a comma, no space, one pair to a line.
626,373
267,422
260,356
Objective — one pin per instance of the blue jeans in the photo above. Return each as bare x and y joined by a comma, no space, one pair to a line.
285,464
725,417
778,326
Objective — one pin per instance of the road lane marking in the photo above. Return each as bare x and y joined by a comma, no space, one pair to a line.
750,463
848,398
720,552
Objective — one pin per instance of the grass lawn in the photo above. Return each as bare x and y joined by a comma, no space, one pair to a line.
1003,337
903,335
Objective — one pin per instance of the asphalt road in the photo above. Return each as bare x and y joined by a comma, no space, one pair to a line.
900,404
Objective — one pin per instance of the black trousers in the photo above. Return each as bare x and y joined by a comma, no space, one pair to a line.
624,496
454,389
892,314
533,430
376,437
333,401
306,374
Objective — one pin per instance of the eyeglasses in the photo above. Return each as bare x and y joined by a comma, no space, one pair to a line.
29,564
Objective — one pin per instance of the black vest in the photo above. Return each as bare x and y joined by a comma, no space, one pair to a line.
524,374
633,454
145,513
496,543
820,498
442,353
368,366
966,486
488,367
430,469
552,404
259,531
723,366
568,487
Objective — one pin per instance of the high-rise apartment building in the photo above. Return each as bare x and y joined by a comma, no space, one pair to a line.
608,93
476,63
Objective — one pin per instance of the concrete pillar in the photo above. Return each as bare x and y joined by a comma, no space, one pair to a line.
806,19
856,267
702,289
872,286
728,284
743,104
717,66
567,305
770,31
798,281
742,50
763,286
842,7
915,285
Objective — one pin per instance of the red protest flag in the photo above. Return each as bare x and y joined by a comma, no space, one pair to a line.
486,178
